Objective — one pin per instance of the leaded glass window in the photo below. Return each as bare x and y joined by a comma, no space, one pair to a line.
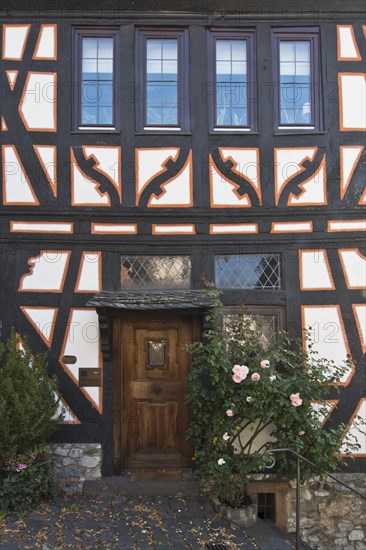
154,272
267,320
248,271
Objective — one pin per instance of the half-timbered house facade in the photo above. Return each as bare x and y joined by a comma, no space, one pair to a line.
147,150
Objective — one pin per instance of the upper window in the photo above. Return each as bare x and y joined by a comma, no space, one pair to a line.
162,69
95,77
297,80
232,73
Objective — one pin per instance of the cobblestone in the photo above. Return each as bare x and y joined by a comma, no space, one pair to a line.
123,523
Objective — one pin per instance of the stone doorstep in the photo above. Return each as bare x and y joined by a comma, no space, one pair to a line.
125,486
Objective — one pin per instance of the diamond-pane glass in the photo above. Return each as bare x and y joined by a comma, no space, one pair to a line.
267,324
155,272
156,354
251,271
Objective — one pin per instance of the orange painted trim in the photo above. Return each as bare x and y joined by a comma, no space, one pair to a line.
330,230
35,224
359,328
12,84
35,57
117,232
239,225
256,149
292,197
340,93
339,57
69,373
345,339
99,254
4,126
48,340
278,189
24,44
344,185
356,250
274,230
116,184
31,265
301,266
187,226
53,184
362,200
355,413
334,405
20,107
162,171
5,202
177,205
75,166
212,166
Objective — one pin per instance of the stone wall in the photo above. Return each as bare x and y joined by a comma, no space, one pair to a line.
76,463
332,517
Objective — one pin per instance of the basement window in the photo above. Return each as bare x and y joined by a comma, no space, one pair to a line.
267,506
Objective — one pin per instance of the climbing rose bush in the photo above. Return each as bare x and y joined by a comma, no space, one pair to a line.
244,392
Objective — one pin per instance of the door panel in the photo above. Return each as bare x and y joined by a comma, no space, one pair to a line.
155,417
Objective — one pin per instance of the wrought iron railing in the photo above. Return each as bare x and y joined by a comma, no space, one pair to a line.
298,484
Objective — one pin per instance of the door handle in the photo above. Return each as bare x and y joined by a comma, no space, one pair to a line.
156,389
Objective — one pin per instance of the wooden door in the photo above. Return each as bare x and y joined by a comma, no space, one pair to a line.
155,417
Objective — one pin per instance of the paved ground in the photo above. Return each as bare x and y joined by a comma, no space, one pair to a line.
111,523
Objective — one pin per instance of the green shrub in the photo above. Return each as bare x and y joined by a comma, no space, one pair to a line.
30,482
241,387
28,404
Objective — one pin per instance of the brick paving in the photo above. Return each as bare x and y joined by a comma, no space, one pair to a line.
128,523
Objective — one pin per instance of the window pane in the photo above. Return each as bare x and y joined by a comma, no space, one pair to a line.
231,76
162,82
105,69
153,49
89,69
88,114
154,70
295,82
97,81
105,115
170,50
105,48
155,272
89,48
251,271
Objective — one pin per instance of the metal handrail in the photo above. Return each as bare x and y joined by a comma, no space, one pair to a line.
298,483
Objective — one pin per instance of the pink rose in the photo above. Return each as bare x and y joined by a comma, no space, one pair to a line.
256,376
237,378
265,364
242,370
229,412
295,399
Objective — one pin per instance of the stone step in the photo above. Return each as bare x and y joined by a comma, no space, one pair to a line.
125,485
